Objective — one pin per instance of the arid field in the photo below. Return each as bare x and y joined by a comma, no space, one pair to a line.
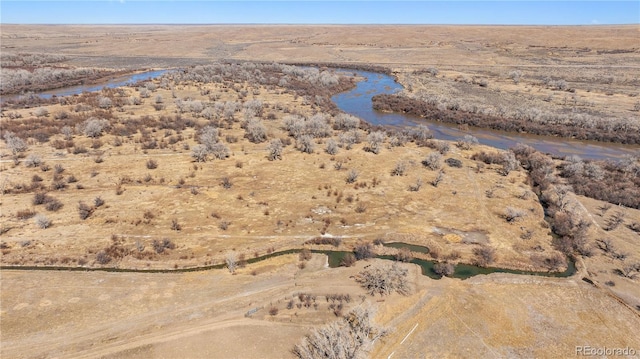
239,153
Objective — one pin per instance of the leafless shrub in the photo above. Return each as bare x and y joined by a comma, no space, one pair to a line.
332,147
398,140
416,186
160,246
384,279
79,150
42,221
84,210
348,260
317,126
220,151
104,102
98,202
231,259
467,142
375,140
444,269
175,225
255,131
152,164
361,207
33,160
334,241
208,137
512,214
53,205
345,122
363,251
102,257
41,112
226,183
305,254
199,153
614,221
274,150
439,177
484,255
352,176
421,134
305,144
509,163
93,127
224,225
399,169
634,226
515,75
15,143
433,161
58,169
403,255
605,245
630,271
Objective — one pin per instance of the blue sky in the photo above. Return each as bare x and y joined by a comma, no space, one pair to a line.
320,12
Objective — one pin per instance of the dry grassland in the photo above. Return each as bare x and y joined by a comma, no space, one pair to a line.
280,204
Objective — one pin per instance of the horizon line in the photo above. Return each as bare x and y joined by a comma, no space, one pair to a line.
309,24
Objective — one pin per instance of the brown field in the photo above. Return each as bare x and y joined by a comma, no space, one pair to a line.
281,204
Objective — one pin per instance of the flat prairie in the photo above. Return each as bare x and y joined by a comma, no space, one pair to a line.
135,195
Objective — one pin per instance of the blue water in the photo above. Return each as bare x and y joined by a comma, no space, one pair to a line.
357,102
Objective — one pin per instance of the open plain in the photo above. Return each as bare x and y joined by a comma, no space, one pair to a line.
239,154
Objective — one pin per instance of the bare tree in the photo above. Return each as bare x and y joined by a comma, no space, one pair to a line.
348,338
383,279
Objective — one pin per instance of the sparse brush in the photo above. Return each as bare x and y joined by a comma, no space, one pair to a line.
42,221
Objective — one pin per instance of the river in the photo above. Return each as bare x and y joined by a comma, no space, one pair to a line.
358,103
